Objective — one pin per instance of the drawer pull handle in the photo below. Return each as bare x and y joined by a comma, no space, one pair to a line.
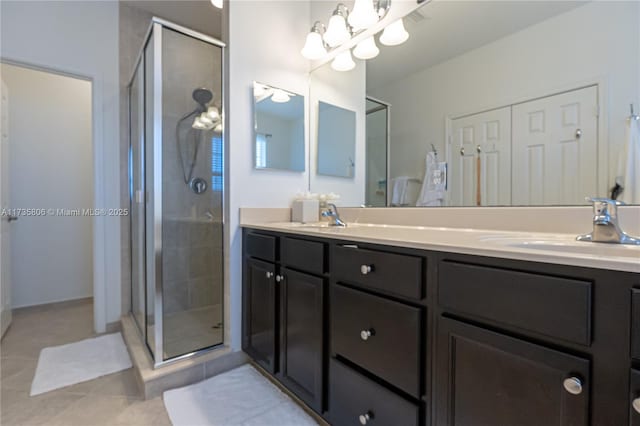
269,274
279,278
573,385
364,418
365,334
636,405
366,269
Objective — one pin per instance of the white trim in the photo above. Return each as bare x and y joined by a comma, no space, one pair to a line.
106,193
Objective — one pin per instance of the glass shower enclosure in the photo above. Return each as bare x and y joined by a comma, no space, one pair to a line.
176,171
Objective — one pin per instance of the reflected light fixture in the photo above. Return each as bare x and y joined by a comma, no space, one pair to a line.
394,34
363,15
314,47
337,30
280,96
366,49
217,3
213,114
343,61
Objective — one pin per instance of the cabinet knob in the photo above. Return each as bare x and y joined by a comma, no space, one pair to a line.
366,269
636,405
269,274
573,385
279,278
365,334
364,418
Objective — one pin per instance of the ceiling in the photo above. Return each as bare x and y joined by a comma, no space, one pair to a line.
199,15
443,29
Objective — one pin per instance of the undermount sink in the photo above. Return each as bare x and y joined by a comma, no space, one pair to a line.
576,247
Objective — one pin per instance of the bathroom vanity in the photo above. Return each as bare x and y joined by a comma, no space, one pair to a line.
388,325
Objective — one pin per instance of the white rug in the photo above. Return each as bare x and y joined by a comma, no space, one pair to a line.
241,396
65,365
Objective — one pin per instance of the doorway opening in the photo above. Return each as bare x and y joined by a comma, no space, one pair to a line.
47,182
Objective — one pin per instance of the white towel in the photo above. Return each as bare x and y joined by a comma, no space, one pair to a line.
433,185
399,190
629,165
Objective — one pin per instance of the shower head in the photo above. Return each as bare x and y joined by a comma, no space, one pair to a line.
202,96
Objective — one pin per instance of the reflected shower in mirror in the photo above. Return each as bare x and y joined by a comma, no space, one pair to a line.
279,129
528,106
336,141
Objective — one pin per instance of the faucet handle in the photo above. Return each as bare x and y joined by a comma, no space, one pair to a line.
605,206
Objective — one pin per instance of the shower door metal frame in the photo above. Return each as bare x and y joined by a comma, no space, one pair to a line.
155,257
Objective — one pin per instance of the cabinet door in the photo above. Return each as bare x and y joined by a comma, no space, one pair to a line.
259,311
634,412
485,378
301,335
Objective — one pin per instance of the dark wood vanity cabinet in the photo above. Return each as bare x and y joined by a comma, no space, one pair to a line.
487,378
380,335
283,312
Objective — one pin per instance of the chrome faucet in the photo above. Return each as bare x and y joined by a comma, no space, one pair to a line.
332,211
606,228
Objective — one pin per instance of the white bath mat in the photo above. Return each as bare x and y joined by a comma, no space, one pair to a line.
241,396
60,366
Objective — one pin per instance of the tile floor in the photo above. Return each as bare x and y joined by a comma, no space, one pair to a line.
110,400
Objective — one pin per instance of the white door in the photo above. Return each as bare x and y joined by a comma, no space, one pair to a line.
555,145
480,167
5,226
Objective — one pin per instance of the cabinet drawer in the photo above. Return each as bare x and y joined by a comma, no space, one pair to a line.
392,350
551,306
634,399
392,273
261,246
352,395
635,323
301,254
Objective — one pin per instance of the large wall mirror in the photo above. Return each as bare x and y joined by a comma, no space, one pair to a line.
505,103
279,128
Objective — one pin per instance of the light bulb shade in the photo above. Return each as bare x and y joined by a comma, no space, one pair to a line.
363,15
198,124
343,62
213,114
394,34
366,49
280,96
217,3
337,31
314,47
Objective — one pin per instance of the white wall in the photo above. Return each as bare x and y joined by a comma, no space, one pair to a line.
596,41
51,167
265,38
81,38
345,90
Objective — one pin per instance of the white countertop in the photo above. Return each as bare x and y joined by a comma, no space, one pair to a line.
554,248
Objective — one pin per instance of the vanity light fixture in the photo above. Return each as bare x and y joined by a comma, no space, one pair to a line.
394,34
314,48
217,3
363,15
343,61
280,96
338,31
366,49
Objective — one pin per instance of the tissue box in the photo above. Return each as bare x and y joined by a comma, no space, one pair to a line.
305,211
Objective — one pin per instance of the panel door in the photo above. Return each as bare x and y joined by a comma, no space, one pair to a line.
485,378
480,167
555,145
301,335
5,226
259,310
